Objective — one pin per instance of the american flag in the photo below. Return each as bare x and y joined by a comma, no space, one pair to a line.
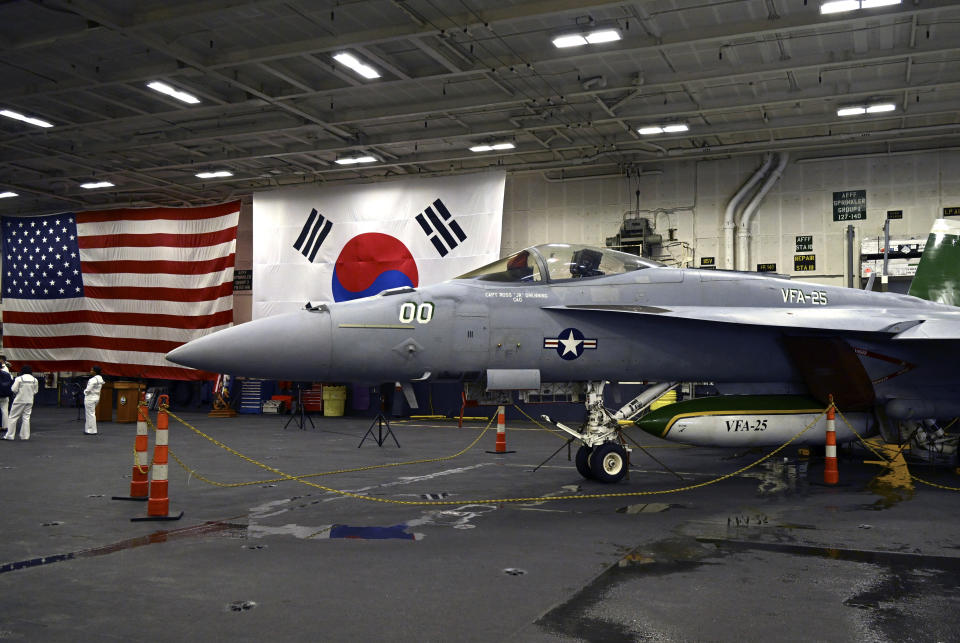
119,288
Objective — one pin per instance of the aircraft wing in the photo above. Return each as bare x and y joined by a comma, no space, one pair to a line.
899,324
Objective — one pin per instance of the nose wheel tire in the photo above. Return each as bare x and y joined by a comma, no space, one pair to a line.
583,462
608,462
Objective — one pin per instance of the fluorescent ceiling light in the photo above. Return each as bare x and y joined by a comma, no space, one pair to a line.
569,40
648,131
94,186
164,88
881,107
350,160
26,119
213,175
351,61
7,195
851,111
603,35
839,6
489,147
676,127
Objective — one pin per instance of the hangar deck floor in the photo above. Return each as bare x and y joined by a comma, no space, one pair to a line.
766,555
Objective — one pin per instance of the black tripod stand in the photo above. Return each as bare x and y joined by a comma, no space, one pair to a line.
300,415
380,421
75,390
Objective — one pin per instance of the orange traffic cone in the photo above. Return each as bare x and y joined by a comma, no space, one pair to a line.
139,483
158,505
501,445
831,473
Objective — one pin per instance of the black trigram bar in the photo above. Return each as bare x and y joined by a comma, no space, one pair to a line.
441,229
309,242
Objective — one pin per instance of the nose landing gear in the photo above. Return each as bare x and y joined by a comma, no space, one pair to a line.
603,457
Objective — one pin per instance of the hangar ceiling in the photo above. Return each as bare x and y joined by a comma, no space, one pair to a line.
276,109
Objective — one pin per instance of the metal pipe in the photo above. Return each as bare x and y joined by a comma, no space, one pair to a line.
884,279
870,155
752,208
850,255
588,177
729,215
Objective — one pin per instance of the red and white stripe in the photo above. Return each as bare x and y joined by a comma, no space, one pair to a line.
159,502
153,280
139,480
831,472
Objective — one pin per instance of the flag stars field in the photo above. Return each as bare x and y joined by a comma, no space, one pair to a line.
122,287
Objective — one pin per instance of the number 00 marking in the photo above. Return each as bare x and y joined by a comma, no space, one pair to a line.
409,311
424,312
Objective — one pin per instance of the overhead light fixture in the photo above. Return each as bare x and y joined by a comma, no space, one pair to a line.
580,38
94,186
664,128
569,40
603,35
26,119
213,175
851,111
841,6
351,61
877,107
490,147
352,160
164,88
7,195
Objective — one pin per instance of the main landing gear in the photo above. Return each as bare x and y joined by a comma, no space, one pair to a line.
603,456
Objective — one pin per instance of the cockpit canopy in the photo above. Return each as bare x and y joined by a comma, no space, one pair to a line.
553,262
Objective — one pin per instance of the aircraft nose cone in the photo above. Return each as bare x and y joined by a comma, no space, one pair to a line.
293,346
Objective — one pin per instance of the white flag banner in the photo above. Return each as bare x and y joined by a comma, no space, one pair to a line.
336,243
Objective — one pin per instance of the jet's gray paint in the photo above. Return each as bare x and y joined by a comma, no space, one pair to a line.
657,323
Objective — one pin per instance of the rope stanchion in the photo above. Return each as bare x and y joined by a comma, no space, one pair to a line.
158,504
139,483
358,496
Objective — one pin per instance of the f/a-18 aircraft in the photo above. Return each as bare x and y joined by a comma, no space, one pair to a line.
563,313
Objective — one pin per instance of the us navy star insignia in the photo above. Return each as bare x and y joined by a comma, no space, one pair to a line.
569,343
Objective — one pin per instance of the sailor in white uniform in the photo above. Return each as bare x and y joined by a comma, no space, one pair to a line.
91,395
25,386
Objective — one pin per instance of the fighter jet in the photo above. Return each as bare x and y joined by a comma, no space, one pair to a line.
566,312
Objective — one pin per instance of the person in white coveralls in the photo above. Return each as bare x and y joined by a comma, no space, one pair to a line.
25,386
6,392
91,395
